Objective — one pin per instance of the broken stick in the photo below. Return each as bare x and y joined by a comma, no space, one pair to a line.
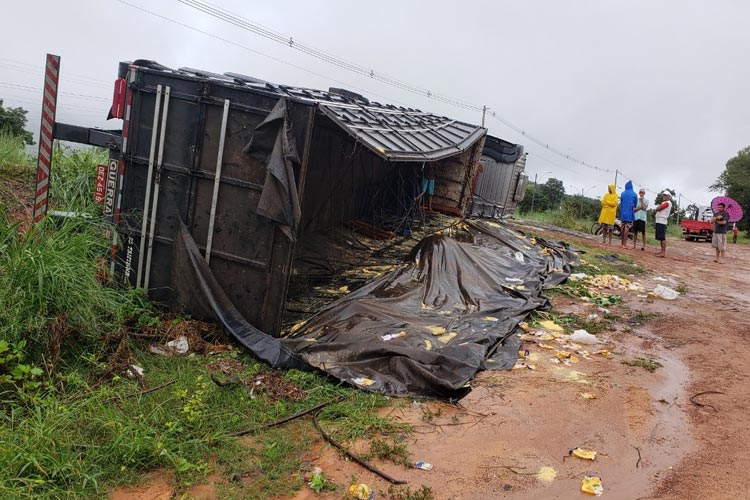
696,403
287,419
352,455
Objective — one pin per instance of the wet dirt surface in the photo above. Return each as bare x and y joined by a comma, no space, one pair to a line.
653,442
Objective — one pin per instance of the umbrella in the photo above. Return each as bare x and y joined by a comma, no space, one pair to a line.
733,209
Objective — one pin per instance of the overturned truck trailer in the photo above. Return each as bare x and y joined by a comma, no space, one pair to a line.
252,168
501,183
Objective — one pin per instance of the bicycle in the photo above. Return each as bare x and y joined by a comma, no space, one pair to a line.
596,229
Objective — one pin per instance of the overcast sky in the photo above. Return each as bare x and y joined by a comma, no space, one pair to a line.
656,89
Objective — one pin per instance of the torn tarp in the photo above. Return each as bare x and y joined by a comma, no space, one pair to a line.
196,289
429,326
425,329
273,143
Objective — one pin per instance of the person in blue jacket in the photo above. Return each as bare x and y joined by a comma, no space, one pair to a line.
628,201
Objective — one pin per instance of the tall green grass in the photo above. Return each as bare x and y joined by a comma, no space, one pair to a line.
50,272
12,151
73,178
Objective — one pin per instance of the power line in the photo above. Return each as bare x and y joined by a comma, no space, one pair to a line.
287,40
254,51
24,66
27,88
269,34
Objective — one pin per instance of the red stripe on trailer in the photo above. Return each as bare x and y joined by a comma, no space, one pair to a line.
118,98
47,123
125,134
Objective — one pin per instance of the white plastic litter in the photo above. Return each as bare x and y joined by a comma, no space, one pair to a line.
664,292
583,337
519,257
179,345
134,371
579,276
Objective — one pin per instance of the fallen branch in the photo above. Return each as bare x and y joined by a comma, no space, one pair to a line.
285,420
696,403
147,391
352,455
138,376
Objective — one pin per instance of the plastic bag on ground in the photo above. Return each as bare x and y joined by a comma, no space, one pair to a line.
664,292
584,337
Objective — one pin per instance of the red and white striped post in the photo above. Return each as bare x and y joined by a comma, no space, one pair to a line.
46,131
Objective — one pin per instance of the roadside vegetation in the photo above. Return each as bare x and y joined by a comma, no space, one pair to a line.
86,407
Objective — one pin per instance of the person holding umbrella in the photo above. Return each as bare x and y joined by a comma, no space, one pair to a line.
719,239
662,216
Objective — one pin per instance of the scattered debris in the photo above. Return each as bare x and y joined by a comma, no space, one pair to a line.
584,337
361,492
592,485
583,453
275,387
647,364
392,336
423,465
178,346
551,326
666,293
588,395
546,474
315,480
363,381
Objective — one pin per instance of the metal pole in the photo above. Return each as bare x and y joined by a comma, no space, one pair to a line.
149,174
615,179
580,212
484,111
46,136
533,195
157,181
217,180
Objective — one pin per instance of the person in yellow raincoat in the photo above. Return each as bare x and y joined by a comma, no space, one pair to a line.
609,210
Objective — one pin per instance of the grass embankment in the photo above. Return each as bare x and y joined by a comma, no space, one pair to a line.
73,425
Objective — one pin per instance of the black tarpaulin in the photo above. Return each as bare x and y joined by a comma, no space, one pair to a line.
424,329
196,289
273,143
428,327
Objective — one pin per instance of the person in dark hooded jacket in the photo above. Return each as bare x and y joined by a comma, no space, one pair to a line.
628,201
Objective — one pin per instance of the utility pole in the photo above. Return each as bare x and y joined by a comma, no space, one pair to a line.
533,195
484,111
580,211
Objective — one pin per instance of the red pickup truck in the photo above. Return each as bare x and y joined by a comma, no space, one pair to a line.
697,229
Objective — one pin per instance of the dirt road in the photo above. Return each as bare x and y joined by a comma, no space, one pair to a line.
653,442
